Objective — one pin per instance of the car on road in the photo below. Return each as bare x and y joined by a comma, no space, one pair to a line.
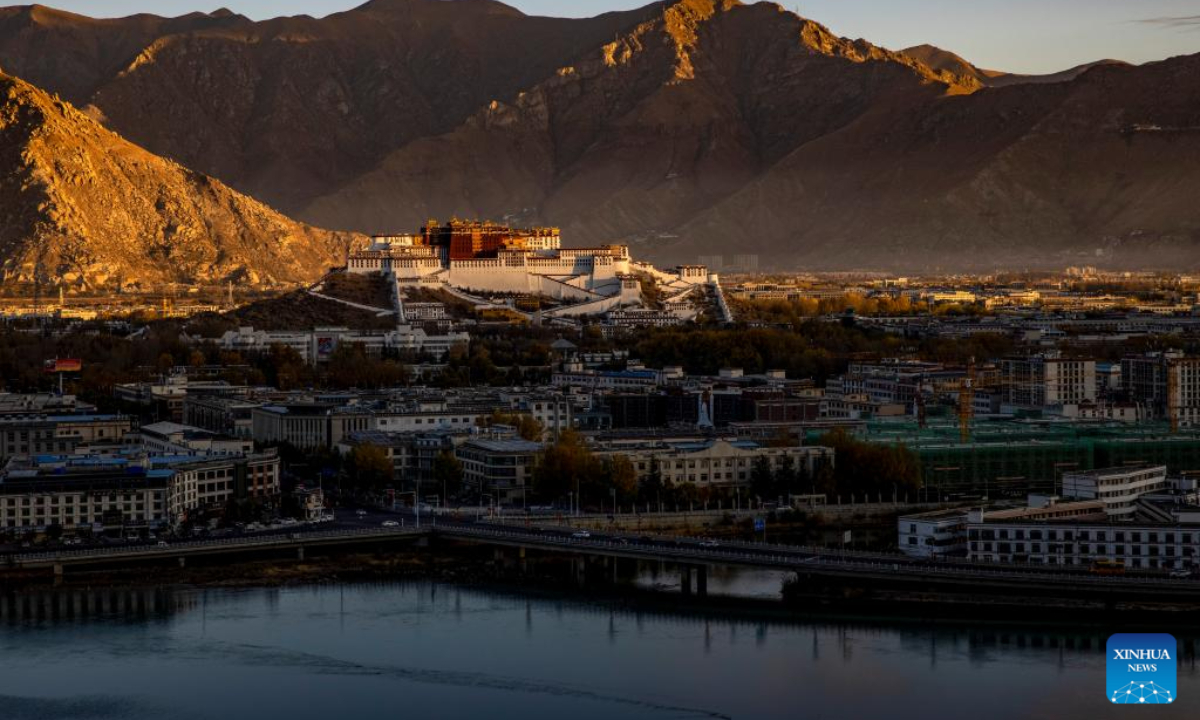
360,513
710,544
390,523
581,534
162,543
1181,574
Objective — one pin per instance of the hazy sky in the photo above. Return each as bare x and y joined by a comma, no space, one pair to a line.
1012,35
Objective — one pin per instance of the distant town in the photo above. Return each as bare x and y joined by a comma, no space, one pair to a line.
474,365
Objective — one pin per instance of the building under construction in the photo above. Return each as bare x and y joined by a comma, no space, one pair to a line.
1017,456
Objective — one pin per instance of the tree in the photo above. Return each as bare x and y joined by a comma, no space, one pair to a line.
564,466
166,361
652,488
762,479
369,468
862,468
528,427
448,474
786,478
620,475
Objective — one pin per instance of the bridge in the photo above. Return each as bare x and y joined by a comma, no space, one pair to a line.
695,557
691,556
298,542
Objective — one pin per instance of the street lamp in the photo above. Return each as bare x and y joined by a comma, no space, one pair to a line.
416,505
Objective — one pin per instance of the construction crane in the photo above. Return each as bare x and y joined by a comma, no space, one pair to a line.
966,403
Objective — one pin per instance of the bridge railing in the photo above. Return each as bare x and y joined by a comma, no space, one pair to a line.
177,548
769,556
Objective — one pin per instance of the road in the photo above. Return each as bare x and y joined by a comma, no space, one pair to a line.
369,524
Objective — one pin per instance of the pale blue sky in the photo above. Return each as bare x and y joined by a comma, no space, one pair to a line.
1012,35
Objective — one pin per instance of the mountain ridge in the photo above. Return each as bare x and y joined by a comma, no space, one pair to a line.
85,208
683,128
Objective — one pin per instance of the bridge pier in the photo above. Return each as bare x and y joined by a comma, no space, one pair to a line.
58,570
702,580
685,579
299,553
182,563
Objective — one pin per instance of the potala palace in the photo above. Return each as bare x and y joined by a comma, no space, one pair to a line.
490,264
519,274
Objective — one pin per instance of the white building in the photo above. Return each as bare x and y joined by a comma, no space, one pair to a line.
709,462
1118,488
934,534
208,484
168,438
425,311
319,345
1138,546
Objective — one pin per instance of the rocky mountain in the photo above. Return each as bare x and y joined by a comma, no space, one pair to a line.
1100,170
687,127
293,108
634,139
83,207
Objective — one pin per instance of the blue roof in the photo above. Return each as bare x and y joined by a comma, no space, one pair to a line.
638,374
82,418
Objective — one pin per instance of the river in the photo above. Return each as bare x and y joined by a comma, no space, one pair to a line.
432,650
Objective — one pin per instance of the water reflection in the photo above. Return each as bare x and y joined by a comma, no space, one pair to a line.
87,605
445,651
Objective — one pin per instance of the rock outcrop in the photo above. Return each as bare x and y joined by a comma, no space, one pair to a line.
81,206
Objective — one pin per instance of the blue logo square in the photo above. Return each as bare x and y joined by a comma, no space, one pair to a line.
1142,669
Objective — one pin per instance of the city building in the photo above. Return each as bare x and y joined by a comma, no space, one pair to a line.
709,462
941,533
225,415
412,454
93,497
500,468
307,426
168,438
128,492
166,396
38,434
42,404
1044,380
206,485
1166,384
1117,488
318,346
